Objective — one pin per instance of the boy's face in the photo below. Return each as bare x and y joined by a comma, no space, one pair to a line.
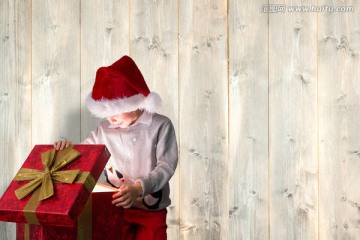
124,120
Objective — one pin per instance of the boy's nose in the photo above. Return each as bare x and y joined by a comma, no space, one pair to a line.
113,119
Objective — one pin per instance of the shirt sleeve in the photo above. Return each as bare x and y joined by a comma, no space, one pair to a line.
167,159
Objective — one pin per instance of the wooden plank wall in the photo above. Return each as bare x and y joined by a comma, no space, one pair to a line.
203,88
15,93
293,166
265,105
339,114
248,121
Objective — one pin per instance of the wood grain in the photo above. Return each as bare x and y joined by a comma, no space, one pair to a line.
55,70
293,124
154,47
15,94
339,114
203,120
248,120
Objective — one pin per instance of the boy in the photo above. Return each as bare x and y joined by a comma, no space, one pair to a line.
142,144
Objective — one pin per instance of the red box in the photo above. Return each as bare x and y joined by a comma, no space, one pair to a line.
99,220
64,207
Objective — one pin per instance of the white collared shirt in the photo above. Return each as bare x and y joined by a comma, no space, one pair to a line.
144,152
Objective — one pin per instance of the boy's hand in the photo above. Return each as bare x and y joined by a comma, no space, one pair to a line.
127,195
61,144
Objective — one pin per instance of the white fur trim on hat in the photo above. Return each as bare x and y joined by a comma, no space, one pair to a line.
104,107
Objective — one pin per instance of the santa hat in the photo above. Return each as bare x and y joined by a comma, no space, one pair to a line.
121,88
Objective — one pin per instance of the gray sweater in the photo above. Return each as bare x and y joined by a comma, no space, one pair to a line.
145,152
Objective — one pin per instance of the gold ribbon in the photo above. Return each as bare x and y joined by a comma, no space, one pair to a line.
52,164
84,223
30,208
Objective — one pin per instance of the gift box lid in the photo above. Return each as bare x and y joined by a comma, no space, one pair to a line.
68,200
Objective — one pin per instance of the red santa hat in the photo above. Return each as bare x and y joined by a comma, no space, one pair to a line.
121,88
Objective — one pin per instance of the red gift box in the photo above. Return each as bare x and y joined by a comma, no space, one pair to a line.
100,219
64,207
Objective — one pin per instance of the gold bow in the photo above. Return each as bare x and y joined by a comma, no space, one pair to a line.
52,163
